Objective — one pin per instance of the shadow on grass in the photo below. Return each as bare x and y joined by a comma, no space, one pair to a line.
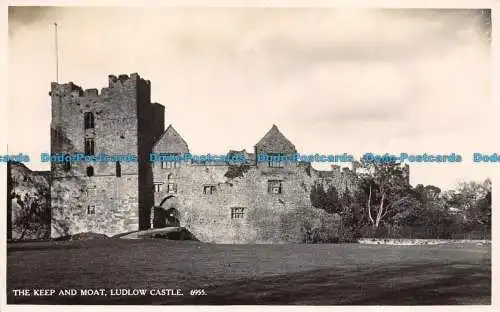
40,247
424,284
419,284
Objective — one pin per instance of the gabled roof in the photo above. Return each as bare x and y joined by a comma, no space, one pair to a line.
275,142
170,142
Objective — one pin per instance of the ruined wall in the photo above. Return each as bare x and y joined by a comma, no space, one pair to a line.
28,203
120,112
126,122
268,218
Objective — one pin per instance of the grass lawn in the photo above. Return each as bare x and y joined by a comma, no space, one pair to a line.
343,274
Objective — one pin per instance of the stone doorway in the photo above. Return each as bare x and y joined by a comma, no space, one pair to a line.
167,213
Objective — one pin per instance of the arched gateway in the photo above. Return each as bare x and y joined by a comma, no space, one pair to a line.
167,213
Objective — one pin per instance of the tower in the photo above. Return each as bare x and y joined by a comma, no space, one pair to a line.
114,195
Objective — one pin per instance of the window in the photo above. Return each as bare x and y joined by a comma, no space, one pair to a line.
90,209
209,189
275,160
274,187
118,169
237,212
90,171
170,161
67,163
172,188
158,186
88,120
169,164
91,191
89,147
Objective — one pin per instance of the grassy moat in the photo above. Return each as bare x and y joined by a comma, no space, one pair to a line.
207,274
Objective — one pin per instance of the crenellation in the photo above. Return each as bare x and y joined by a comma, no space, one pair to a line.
93,93
112,79
104,92
217,202
123,78
65,89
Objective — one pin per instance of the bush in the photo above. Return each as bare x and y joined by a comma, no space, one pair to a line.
321,235
235,171
349,234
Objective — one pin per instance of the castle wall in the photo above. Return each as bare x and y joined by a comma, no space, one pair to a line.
122,115
125,122
268,218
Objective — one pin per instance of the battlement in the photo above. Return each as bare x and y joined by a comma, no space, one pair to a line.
120,82
91,92
65,89
124,79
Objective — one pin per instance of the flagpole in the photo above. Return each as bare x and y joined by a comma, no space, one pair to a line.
57,54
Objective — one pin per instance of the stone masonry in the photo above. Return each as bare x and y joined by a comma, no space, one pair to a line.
217,202
122,120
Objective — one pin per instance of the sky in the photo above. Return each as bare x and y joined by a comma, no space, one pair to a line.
333,80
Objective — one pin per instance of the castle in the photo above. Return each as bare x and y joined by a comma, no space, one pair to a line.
218,202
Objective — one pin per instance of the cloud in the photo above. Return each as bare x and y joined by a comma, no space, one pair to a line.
332,80
22,16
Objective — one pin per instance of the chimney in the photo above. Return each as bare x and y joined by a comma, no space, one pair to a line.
335,167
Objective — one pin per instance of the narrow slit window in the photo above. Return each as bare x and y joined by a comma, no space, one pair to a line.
118,169
89,147
89,120
90,171
67,163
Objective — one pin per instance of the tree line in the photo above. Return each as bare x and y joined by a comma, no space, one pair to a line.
385,205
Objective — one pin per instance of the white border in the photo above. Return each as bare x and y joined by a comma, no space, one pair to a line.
493,4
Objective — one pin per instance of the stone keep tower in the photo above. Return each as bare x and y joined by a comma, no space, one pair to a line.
103,197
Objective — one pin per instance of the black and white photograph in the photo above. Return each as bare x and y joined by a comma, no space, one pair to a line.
249,155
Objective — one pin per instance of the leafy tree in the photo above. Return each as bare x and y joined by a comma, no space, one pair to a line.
351,216
409,211
318,196
383,185
480,212
328,201
347,199
333,201
32,218
466,198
